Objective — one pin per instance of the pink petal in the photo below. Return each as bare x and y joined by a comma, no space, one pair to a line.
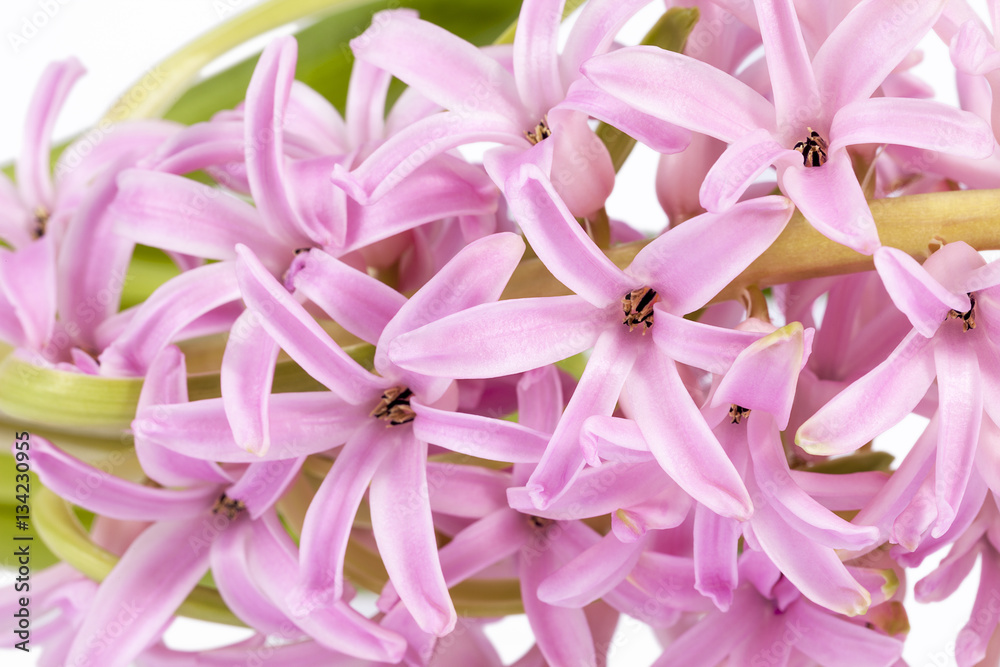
691,263
262,484
793,84
960,401
906,121
540,398
300,335
716,541
353,299
499,339
582,173
28,280
681,441
173,306
972,641
597,393
831,199
594,32
738,168
591,574
612,439
482,437
710,641
872,404
246,377
877,39
232,574
560,241
32,168
404,532
923,300
471,492
365,111
700,345
536,56
836,642
143,590
682,91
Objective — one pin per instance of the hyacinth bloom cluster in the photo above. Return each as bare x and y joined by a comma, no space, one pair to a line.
394,392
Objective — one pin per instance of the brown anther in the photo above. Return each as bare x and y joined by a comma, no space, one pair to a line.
41,218
540,131
969,317
302,250
228,506
738,413
638,308
394,407
813,149
539,522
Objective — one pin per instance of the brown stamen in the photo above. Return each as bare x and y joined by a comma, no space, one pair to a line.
813,149
41,219
394,407
969,317
738,413
228,506
540,131
540,522
638,308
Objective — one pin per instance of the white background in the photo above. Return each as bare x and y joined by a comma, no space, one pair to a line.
119,40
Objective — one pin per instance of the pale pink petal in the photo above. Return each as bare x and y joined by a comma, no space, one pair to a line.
908,122
691,263
330,516
700,345
482,437
353,299
536,56
594,32
541,399
365,113
681,441
972,640
948,576
301,424
560,242
845,491
471,492
32,168
300,335
262,484
499,339
716,541
198,147
591,574
872,404
144,589
834,642
597,393
232,575
923,300
960,408
876,41
831,199
681,90
404,532
793,84
15,218
612,439
246,376
710,641
738,168
28,280
582,172
173,305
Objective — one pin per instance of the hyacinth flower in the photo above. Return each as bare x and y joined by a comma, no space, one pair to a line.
771,623
974,51
43,218
821,106
194,528
520,110
950,302
678,272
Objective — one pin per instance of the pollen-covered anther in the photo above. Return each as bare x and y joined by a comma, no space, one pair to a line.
738,413
813,149
539,132
969,317
638,308
41,219
228,506
394,407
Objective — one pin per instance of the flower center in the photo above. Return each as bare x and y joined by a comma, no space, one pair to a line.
540,131
969,317
394,407
539,522
41,219
228,506
813,149
738,413
638,308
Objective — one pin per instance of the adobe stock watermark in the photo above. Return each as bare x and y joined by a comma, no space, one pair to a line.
33,23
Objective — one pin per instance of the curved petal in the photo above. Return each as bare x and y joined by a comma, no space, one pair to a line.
300,335
691,263
716,549
872,404
28,279
908,122
594,32
831,199
711,348
536,55
793,84
246,377
560,242
738,168
482,437
681,90
875,38
365,112
591,574
404,532
836,642
923,300
32,168
234,579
